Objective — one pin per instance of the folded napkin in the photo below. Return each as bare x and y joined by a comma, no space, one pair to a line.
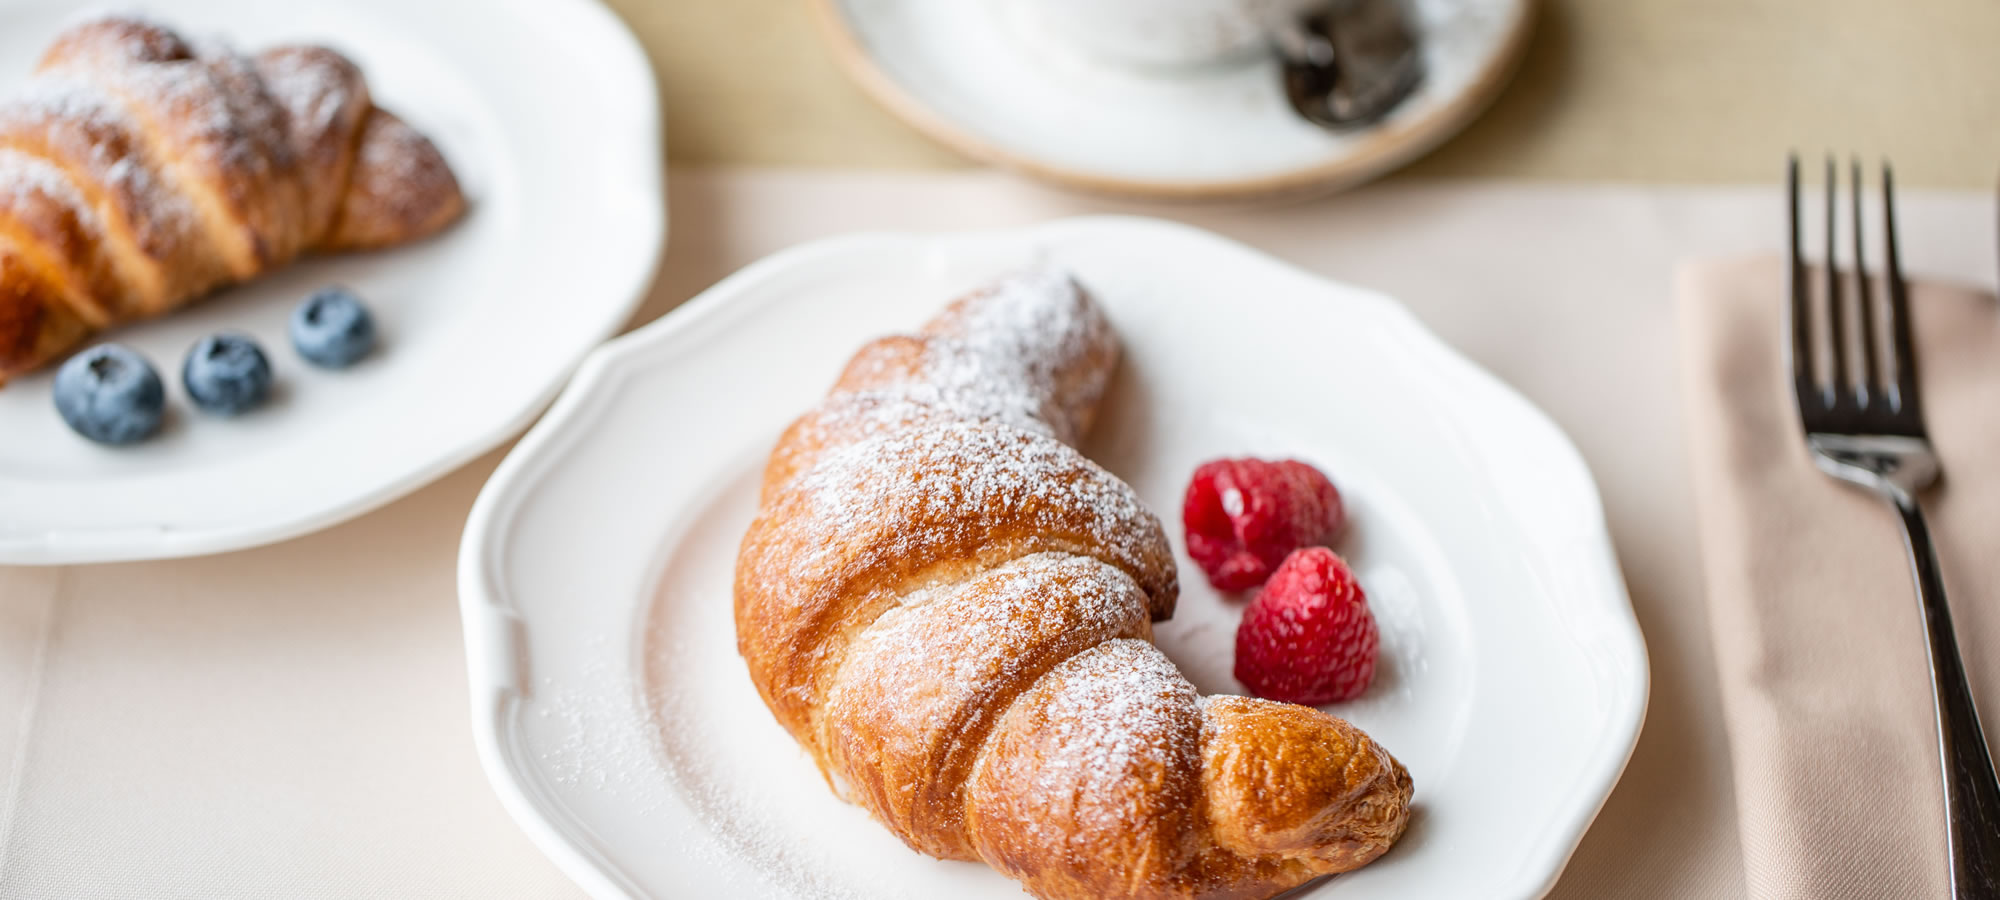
1818,638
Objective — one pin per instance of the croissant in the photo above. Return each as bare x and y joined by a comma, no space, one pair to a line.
950,609
139,171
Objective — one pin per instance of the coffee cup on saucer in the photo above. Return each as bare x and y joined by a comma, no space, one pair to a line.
1162,99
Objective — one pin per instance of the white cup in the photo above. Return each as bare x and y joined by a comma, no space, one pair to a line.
1162,33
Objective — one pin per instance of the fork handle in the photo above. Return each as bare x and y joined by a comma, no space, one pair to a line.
1971,794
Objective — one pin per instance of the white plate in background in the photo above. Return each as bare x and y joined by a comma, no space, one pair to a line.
622,731
548,113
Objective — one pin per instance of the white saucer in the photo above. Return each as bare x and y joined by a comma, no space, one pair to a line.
548,113
621,729
974,76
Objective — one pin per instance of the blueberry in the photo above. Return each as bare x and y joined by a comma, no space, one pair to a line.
332,329
227,374
111,395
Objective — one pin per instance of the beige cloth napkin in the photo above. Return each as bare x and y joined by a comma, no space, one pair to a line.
1817,634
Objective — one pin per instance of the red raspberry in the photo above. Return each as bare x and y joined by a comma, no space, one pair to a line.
1244,515
1308,637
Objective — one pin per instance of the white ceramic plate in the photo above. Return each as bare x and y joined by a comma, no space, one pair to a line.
621,729
547,111
978,75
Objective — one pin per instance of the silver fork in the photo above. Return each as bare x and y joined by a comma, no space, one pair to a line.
1864,425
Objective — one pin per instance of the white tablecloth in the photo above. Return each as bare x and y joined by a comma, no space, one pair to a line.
292,721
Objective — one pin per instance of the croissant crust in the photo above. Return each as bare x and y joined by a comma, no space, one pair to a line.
950,609
140,171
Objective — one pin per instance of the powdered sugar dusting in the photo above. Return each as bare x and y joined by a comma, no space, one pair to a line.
1006,373
213,121
402,161
874,412
599,743
967,440
178,91
61,98
1030,350
131,34
163,219
22,177
257,124
736,827
1025,345
85,127
1097,599
1121,710
965,474
312,91
957,439
982,635
180,150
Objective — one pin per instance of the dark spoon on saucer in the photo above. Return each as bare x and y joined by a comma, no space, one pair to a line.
1348,65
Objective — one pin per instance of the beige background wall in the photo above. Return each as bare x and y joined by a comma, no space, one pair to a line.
1627,90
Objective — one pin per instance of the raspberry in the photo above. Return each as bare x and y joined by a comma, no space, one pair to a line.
1244,515
1308,637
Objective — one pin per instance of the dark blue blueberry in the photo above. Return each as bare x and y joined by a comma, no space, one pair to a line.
227,374
332,329
111,395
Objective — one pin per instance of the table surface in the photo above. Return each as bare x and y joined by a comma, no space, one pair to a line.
291,720
1629,90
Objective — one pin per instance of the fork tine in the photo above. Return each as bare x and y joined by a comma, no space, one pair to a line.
1836,310
1871,371
1906,403
1801,310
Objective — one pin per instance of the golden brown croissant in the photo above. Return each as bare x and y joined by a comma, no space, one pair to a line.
951,609
139,171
